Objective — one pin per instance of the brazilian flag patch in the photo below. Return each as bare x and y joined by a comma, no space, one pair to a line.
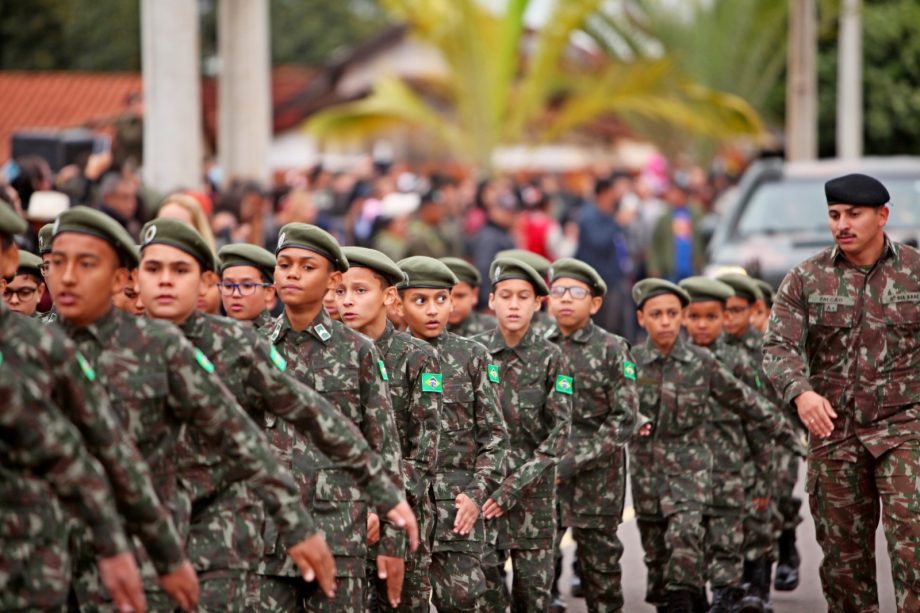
383,370
431,382
564,385
279,362
629,370
1,358
492,369
204,362
88,371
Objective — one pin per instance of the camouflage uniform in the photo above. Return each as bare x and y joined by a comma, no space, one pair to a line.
851,334
49,317
476,323
670,471
471,460
263,321
344,367
592,473
225,539
417,409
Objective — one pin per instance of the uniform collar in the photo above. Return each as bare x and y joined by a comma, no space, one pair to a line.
890,250
193,327
388,331
263,319
581,335
100,330
495,342
678,352
320,328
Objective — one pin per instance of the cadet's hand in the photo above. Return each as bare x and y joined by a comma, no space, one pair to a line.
182,586
491,509
394,571
373,528
467,513
646,430
314,560
402,516
121,578
816,413
760,504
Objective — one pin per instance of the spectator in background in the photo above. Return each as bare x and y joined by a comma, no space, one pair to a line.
492,237
676,250
118,199
539,231
186,209
424,234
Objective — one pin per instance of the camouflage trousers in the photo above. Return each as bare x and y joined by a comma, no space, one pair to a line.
416,591
34,573
724,541
457,580
847,499
652,531
599,553
283,594
759,540
530,583
673,552
786,506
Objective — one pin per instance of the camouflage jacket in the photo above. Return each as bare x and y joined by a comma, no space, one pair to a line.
536,388
605,407
50,361
263,320
49,317
851,335
344,367
474,441
476,323
254,372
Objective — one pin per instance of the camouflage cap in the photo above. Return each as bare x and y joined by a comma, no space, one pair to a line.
464,271
315,239
856,189
45,236
704,289
375,260
425,272
504,269
744,286
84,220
10,222
766,290
178,234
570,268
245,254
535,261
29,264
650,288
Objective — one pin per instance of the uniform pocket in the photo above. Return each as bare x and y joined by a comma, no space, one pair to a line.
692,408
445,489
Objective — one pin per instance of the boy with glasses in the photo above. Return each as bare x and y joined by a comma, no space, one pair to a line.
246,283
24,291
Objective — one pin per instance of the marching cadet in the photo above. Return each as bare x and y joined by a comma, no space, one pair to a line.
542,323
247,285
592,473
473,442
760,314
128,300
536,390
464,319
366,290
24,291
160,384
671,464
225,549
45,235
344,367
843,346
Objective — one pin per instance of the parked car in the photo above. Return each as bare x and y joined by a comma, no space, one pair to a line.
779,217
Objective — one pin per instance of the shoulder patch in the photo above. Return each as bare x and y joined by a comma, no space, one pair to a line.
431,382
322,332
279,362
564,384
757,381
276,333
1,358
204,362
88,371
383,370
629,370
493,371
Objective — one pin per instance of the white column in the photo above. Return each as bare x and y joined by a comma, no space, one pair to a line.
802,82
850,81
172,94
244,90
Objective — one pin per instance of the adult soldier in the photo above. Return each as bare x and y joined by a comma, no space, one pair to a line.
159,384
465,320
362,298
24,291
536,399
247,283
842,345
542,323
592,474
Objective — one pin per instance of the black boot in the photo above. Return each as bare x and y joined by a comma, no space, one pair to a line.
725,599
680,601
787,569
700,601
757,599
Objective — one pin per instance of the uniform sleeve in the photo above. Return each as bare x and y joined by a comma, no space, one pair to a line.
490,432
424,423
784,343
558,414
200,400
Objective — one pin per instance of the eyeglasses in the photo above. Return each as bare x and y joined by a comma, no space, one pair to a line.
23,293
246,288
577,293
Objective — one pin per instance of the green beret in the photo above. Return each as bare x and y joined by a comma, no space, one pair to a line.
570,268
766,290
744,286
376,261
425,272
10,222
856,189
84,220
650,288
178,234
45,236
535,261
245,254
464,271
704,289
312,239
503,269
29,264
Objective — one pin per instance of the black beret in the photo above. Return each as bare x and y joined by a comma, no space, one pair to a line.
650,288
504,269
570,268
465,271
704,289
315,239
84,220
178,234
245,254
425,272
375,260
856,189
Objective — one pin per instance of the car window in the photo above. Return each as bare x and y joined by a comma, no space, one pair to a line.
798,206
